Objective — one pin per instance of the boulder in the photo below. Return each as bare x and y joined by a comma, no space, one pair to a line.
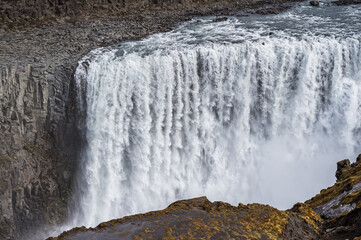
341,166
315,3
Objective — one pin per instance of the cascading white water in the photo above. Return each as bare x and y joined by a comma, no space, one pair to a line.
258,119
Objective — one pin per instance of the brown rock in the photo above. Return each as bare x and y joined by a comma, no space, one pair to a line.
340,205
341,167
199,218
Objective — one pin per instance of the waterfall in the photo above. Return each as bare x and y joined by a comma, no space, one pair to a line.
257,120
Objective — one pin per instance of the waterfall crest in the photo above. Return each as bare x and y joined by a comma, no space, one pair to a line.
237,122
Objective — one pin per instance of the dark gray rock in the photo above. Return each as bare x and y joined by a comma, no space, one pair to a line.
346,2
358,159
333,208
34,146
315,3
341,166
220,19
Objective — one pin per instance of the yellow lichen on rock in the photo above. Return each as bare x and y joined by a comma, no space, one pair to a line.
351,176
199,218
308,214
352,198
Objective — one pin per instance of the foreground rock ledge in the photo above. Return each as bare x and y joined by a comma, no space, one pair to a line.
335,213
199,218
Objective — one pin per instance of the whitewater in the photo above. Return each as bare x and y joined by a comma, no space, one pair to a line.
251,109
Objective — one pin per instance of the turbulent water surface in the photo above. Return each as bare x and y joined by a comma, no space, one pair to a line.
252,109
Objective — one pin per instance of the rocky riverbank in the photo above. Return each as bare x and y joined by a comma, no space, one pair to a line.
335,213
40,45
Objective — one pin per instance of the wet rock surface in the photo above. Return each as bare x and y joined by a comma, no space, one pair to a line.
346,2
315,3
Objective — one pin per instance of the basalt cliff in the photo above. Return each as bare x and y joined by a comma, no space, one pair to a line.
335,213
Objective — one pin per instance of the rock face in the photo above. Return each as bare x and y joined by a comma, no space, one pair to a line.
38,143
41,42
199,218
340,205
342,167
335,213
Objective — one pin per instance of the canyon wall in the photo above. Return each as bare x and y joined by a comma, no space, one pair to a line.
37,147
41,42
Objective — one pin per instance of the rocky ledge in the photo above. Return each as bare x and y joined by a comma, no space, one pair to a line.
335,213
346,2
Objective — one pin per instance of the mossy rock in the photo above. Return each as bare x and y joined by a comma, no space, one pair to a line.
198,218
342,168
351,198
351,176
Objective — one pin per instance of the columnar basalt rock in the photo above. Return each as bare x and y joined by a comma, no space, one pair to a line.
35,148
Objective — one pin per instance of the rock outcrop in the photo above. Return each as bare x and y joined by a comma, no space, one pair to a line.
340,205
199,218
315,3
342,167
38,145
335,213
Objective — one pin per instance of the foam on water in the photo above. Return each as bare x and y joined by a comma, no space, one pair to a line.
252,109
